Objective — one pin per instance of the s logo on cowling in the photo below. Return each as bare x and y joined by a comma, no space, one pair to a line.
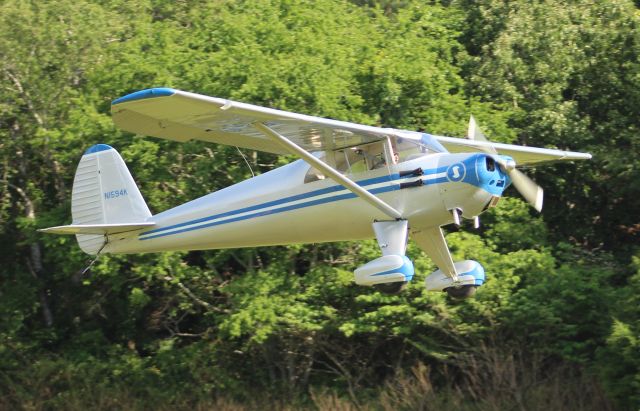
456,172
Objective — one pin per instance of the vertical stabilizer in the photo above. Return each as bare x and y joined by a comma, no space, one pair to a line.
104,193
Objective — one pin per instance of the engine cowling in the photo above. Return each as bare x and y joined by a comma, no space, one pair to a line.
470,276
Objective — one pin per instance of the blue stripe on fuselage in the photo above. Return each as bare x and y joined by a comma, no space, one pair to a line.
162,231
274,211
326,190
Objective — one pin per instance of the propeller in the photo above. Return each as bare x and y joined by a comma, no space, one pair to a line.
531,192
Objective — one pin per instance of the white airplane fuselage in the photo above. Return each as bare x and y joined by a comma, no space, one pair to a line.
278,208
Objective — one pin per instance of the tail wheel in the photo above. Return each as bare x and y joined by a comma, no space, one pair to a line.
461,292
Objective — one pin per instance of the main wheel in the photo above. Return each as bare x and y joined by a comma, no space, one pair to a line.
461,292
391,288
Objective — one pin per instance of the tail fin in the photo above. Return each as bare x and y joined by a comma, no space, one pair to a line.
104,195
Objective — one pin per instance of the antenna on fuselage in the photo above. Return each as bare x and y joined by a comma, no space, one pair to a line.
246,161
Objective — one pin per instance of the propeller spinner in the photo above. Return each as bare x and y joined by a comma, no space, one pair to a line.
531,192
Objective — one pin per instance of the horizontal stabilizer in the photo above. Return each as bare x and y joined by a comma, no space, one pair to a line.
97,229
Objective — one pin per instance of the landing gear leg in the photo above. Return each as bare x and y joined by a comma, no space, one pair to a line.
393,270
392,236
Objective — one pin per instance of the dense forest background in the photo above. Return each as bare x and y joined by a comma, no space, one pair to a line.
556,326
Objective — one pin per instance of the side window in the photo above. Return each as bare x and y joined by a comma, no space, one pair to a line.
362,158
352,160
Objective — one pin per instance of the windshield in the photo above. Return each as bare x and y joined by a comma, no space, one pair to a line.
408,149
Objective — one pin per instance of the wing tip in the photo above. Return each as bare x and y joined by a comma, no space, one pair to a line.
145,94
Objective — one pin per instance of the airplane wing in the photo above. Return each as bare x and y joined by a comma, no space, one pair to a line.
182,116
179,115
523,155
477,141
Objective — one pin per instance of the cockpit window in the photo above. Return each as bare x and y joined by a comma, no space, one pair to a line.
409,149
361,158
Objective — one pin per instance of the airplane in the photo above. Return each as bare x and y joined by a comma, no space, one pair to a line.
351,182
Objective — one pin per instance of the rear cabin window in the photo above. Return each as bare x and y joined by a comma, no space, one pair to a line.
352,160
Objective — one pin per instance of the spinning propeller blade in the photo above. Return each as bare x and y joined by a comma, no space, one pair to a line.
474,132
531,192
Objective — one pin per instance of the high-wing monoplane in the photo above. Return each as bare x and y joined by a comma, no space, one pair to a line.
351,182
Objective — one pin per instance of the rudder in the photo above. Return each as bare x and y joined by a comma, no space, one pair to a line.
104,192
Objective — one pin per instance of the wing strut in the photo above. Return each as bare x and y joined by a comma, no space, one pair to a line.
293,148
432,242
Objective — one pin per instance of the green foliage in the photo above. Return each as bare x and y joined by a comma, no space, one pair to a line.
286,324
618,360
569,75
